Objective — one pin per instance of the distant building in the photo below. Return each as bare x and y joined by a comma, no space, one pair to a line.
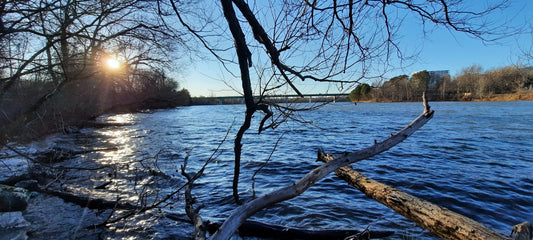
436,76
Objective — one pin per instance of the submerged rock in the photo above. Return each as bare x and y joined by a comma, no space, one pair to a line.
13,199
10,220
18,234
55,155
30,184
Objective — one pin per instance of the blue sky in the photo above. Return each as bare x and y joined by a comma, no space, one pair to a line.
441,49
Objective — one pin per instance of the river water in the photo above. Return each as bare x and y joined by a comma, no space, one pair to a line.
474,158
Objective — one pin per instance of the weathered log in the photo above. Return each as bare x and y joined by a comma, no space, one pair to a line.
437,220
263,230
240,214
193,212
83,201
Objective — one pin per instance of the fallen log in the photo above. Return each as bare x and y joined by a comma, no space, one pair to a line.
269,231
83,201
263,230
438,220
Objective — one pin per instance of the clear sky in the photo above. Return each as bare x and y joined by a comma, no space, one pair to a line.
438,50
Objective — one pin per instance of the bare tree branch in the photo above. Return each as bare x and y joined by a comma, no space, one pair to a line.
240,214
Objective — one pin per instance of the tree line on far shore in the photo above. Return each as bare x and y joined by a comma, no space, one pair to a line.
471,83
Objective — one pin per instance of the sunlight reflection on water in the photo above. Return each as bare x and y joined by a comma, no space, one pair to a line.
126,118
118,137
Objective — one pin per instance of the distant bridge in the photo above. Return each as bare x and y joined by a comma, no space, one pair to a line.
288,98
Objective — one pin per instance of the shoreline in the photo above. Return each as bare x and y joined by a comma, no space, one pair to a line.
504,97
523,95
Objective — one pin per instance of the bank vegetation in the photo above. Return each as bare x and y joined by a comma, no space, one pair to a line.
65,62
511,83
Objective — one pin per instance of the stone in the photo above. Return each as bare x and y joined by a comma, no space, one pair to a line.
13,199
31,184
13,234
522,231
12,220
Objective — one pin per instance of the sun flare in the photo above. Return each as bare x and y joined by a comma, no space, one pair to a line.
113,63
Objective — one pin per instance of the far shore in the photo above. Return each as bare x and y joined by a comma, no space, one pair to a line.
523,96
526,95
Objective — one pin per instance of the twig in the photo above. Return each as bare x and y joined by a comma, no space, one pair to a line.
20,153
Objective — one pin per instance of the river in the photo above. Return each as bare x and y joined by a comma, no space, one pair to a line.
474,158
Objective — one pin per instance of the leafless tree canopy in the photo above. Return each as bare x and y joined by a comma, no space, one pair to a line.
61,41
339,42
336,41
54,46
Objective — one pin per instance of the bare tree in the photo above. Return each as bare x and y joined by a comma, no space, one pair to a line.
59,42
340,42
332,42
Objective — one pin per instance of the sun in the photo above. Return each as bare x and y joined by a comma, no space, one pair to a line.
113,63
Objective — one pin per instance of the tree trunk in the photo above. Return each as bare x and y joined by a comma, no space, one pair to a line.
245,61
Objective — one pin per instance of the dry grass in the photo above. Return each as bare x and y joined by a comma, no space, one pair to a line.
522,95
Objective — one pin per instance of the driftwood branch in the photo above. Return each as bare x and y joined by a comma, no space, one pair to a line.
269,231
200,227
438,220
193,212
240,214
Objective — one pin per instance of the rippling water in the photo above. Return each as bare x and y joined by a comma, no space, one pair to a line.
473,158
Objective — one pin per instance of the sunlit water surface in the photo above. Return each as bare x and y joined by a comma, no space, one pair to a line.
473,158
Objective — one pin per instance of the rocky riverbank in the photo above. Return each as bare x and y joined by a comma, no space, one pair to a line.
89,184
52,189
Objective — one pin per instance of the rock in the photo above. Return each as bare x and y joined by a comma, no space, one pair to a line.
13,234
13,199
12,167
10,220
30,184
55,155
522,231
